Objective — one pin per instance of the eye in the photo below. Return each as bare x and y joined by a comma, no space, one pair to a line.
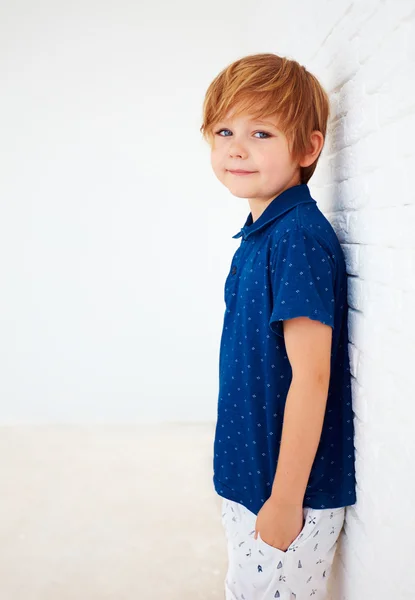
262,132
220,131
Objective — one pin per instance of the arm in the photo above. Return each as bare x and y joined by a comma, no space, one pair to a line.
308,344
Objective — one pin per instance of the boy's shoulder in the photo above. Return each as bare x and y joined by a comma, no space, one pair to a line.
309,219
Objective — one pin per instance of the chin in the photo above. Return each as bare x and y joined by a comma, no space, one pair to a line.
239,193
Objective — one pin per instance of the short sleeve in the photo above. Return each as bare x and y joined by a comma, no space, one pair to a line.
302,280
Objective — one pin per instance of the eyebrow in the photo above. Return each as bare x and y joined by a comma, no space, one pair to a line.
257,121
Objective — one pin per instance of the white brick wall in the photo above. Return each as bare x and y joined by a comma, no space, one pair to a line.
366,62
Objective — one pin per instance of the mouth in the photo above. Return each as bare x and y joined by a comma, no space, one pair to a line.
241,172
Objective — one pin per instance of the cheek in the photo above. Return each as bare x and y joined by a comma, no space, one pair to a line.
216,160
274,161
217,166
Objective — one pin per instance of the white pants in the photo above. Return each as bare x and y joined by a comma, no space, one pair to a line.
258,571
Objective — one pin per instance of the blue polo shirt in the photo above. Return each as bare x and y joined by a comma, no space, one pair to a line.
289,263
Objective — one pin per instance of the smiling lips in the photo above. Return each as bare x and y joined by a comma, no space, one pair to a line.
241,172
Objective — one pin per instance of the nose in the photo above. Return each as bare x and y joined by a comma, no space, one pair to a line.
236,149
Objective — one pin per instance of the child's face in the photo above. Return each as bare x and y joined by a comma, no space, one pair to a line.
251,145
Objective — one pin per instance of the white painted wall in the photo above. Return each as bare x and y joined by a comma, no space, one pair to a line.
116,237
114,232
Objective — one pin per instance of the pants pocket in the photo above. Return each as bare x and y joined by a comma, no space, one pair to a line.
308,563
321,529
297,541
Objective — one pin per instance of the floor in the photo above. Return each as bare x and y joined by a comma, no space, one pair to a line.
109,513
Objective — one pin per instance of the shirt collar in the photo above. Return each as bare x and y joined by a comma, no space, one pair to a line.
297,194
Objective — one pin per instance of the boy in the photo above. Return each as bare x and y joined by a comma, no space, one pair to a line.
283,448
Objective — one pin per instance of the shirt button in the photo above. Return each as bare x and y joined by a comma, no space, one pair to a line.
233,270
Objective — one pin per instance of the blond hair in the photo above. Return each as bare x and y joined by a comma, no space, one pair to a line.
270,86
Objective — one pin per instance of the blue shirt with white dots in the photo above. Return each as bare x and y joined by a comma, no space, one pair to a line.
289,264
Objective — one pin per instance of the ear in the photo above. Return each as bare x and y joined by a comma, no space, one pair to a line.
316,145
